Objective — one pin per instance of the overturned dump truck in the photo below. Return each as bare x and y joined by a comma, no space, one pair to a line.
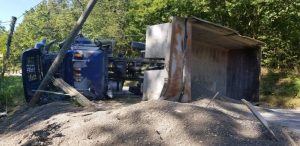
201,58
185,59
89,67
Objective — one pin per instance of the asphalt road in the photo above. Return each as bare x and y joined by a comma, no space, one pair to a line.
285,117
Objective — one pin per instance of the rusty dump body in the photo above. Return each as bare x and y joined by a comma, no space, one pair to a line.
201,58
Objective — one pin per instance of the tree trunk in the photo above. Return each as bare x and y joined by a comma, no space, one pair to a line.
8,44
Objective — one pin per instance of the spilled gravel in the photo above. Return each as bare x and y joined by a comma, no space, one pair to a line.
144,123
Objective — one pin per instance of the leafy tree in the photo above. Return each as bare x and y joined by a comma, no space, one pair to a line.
107,21
3,38
275,22
51,19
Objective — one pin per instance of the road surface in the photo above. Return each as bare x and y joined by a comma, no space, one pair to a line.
284,117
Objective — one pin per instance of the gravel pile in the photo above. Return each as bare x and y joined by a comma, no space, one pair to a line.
145,123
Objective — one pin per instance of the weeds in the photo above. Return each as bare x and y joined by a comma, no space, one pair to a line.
280,89
276,89
11,87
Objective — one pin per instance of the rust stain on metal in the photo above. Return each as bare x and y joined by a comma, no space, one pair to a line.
187,93
175,82
208,60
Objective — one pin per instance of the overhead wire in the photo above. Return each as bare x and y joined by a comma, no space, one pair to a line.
8,21
30,9
3,22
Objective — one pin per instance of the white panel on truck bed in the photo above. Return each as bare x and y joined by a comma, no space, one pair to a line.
158,40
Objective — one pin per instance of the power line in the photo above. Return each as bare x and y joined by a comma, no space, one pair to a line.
8,21
3,22
30,9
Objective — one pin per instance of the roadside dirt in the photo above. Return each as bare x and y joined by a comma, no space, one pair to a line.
143,123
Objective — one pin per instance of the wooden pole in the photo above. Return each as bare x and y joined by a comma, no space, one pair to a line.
59,59
78,97
8,44
260,118
212,99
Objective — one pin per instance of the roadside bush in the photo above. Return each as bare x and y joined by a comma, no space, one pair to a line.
11,87
280,89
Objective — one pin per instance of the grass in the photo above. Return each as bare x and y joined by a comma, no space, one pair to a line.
280,89
11,87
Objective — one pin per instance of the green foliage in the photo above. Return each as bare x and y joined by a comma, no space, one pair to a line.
3,38
281,84
280,30
12,89
51,19
275,22
280,89
107,21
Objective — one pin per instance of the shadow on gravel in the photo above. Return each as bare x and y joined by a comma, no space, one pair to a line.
151,123
181,124
44,136
22,119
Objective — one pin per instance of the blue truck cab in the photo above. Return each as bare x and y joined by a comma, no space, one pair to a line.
84,67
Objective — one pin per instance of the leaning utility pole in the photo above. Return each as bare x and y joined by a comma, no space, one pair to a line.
59,59
8,44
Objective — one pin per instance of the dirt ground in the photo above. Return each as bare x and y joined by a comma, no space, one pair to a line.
134,122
